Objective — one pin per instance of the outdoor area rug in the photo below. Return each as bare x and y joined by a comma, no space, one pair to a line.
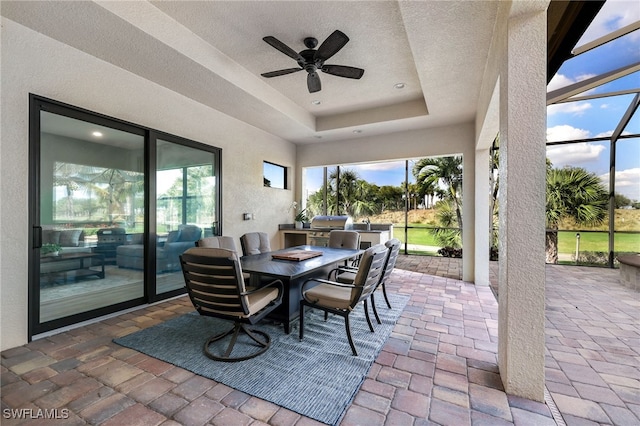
317,377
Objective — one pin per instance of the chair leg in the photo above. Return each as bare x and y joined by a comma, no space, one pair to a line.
366,314
375,310
346,324
301,320
384,292
237,328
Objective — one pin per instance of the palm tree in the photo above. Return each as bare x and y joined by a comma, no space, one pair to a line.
444,171
572,192
346,187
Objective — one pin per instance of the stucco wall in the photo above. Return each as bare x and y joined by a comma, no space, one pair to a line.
32,63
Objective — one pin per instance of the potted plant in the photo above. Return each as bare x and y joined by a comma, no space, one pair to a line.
50,249
300,218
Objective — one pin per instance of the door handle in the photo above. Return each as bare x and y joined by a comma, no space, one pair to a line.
37,236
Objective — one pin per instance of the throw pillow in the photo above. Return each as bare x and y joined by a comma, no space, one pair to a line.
50,236
70,237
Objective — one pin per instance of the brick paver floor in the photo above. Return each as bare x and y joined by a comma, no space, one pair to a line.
438,367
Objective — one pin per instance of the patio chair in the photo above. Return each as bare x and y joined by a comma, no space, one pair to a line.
217,242
347,274
216,287
345,239
340,298
255,243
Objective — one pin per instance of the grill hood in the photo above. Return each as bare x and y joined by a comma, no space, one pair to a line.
331,222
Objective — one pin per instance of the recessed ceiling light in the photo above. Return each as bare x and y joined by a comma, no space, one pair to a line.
399,85
316,102
357,131
97,134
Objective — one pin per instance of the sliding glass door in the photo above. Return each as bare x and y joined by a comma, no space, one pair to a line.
113,205
91,199
186,206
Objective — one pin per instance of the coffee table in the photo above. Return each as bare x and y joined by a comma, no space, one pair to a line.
293,272
72,262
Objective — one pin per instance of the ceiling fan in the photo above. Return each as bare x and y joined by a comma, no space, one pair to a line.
312,60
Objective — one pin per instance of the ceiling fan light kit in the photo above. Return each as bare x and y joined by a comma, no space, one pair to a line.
312,60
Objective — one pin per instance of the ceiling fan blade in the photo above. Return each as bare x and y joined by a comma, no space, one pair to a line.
281,72
313,82
331,45
274,42
343,71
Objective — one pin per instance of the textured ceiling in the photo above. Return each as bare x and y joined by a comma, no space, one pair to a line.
213,52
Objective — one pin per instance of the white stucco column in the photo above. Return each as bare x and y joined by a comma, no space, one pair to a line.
482,218
522,202
468,217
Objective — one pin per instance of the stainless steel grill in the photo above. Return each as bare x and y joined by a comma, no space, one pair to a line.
321,226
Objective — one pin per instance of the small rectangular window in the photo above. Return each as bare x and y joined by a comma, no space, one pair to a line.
275,176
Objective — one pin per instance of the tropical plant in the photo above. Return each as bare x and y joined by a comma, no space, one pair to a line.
301,216
448,233
445,172
572,192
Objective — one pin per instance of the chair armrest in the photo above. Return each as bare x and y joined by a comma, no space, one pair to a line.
344,268
277,283
323,281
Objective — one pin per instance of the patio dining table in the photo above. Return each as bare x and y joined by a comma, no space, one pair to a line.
293,272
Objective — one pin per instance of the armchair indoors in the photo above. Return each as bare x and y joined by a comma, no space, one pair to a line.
216,287
167,253
340,298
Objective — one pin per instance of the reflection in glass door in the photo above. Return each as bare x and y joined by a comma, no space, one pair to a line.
186,207
91,206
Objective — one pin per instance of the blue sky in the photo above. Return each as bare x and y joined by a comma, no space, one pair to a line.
573,120
599,117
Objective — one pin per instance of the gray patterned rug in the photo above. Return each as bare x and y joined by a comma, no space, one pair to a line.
317,377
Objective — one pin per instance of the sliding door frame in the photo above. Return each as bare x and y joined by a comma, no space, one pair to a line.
37,104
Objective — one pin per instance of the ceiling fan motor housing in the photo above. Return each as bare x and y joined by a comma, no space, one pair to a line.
310,64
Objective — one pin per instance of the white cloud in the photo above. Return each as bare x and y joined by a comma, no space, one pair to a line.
574,154
575,108
627,182
614,14
565,132
558,81
604,134
376,167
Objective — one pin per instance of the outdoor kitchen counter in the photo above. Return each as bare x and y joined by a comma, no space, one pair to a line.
379,234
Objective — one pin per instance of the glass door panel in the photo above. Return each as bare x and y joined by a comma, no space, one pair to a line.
91,217
186,205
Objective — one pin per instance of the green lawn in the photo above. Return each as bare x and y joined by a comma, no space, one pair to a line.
589,241
597,241
418,235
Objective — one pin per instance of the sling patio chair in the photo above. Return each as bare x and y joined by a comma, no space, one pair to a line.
347,274
340,298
